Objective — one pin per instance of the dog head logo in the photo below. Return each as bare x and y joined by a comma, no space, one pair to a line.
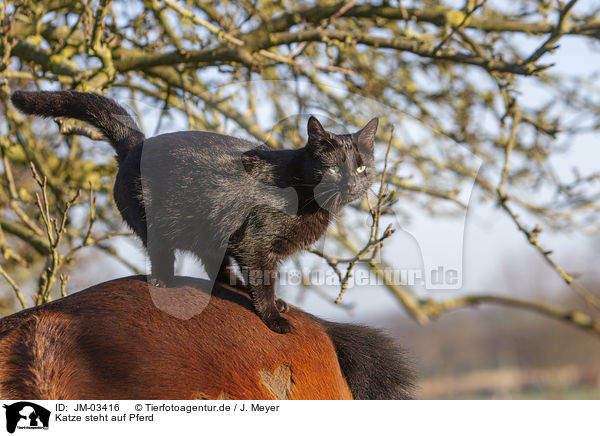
26,415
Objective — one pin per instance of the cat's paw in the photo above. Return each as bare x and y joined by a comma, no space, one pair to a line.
282,306
156,282
279,324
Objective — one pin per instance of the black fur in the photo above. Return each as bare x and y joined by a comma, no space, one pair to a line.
375,367
221,197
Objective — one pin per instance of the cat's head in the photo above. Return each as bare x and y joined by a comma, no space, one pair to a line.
340,167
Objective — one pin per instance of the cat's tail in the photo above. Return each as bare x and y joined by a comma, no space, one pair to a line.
101,112
375,367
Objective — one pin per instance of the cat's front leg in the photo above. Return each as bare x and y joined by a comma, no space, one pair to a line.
275,321
162,261
261,284
282,306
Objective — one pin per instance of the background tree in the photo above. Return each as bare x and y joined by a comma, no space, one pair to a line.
452,73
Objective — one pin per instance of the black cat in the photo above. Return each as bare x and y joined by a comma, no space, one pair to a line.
221,197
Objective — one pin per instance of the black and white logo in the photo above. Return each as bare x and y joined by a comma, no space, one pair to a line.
26,415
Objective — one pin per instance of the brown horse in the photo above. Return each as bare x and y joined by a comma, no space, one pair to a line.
124,339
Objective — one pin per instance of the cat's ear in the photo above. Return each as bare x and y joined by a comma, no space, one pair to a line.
315,129
365,137
317,135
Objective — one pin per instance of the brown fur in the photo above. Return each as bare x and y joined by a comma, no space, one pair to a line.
111,341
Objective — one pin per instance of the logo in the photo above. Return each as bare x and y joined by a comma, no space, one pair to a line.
26,415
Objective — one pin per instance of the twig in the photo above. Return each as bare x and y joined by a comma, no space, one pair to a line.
516,118
288,60
7,252
64,278
460,25
14,287
54,234
220,33
371,246
300,47
13,192
382,195
68,128
532,235
573,317
556,33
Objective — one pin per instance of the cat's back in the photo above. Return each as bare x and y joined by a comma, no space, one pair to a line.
194,161
197,145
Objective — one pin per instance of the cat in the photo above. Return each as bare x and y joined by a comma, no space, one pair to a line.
219,197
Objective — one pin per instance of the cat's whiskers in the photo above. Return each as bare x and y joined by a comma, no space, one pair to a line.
332,200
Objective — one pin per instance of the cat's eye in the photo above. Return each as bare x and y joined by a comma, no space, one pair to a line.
334,169
361,168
